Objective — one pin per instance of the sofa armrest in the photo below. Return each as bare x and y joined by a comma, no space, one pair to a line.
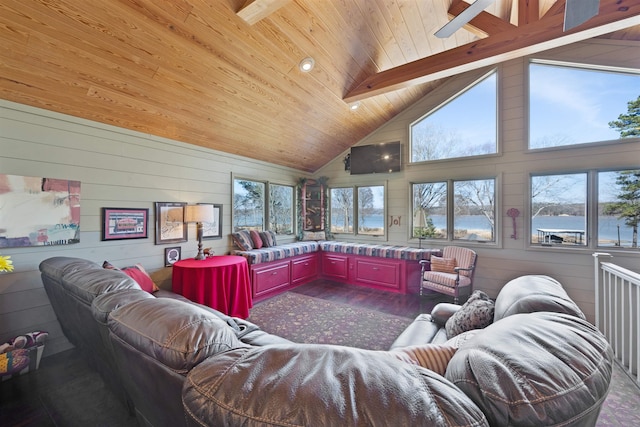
442,312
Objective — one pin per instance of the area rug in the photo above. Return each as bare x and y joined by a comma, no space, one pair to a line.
310,320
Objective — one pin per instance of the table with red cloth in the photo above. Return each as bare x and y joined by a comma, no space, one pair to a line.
220,282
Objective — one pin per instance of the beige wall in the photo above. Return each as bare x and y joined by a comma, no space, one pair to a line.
117,168
509,258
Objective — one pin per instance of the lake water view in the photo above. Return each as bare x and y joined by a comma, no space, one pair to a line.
608,225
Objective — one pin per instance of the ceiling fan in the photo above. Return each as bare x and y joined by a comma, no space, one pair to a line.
575,13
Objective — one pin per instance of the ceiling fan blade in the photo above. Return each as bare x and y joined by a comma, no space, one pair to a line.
459,21
577,12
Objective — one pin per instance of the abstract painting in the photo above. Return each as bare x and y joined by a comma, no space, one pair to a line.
38,211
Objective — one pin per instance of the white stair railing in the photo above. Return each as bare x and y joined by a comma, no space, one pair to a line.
617,307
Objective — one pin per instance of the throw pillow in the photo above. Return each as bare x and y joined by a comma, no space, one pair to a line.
256,239
140,275
443,265
242,239
109,266
311,235
431,356
268,238
476,313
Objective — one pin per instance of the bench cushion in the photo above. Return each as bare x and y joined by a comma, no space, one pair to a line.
381,251
287,250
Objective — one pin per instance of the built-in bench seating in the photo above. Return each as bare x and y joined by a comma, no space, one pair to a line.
277,268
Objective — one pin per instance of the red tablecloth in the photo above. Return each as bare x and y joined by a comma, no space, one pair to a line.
220,282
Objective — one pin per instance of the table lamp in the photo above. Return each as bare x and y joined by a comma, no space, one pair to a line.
198,214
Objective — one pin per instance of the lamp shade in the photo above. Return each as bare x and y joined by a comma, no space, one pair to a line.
198,213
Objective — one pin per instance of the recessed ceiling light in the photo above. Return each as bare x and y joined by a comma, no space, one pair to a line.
354,106
306,65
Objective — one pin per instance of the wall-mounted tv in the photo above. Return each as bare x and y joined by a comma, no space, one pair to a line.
375,158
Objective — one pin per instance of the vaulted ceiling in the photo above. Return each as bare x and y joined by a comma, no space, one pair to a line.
224,74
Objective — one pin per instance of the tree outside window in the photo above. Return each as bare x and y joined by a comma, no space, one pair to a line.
281,208
248,205
474,207
341,210
430,210
371,210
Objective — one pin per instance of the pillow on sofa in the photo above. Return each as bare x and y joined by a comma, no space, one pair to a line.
256,239
268,238
137,273
242,239
431,356
476,313
443,265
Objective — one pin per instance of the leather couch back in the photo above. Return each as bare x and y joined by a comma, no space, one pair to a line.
157,342
533,293
535,369
321,385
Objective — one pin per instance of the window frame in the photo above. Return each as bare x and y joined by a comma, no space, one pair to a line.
356,214
591,212
464,90
576,65
266,203
450,214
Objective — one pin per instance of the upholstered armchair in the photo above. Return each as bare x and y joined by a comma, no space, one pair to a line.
451,273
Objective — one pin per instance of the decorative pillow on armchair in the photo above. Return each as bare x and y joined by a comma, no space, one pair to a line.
476,313
443,265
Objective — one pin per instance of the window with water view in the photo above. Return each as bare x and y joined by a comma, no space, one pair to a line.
250,210
471,205
365,212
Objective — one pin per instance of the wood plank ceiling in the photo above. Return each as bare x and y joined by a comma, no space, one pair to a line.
224,74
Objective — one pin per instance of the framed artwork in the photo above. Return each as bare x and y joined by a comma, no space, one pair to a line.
124,223
37,211
172,255
170,226
213,230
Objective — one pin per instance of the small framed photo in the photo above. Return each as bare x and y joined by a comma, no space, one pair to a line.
170,226
213,230
124,223
172,255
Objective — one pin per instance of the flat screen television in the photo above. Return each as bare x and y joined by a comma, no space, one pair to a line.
375,158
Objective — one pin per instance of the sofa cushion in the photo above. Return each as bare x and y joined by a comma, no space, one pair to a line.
527,294
177,334
321,385
443,265
476,313
535,369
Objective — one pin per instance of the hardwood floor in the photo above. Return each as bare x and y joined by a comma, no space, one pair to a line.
65,391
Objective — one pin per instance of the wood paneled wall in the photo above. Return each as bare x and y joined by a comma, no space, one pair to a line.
510,258
117,168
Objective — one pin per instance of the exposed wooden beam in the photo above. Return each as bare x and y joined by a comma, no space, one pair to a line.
538,36
528,11
485,24
255,10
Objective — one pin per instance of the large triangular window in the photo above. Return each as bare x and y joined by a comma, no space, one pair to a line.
464,126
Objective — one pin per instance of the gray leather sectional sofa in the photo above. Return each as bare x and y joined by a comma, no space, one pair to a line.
179,363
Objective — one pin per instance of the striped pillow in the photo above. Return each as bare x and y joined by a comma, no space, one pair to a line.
268,238
242,239
431,356
443,265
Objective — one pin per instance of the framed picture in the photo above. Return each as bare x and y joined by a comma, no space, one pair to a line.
124,223
213,230
170,226
172,255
